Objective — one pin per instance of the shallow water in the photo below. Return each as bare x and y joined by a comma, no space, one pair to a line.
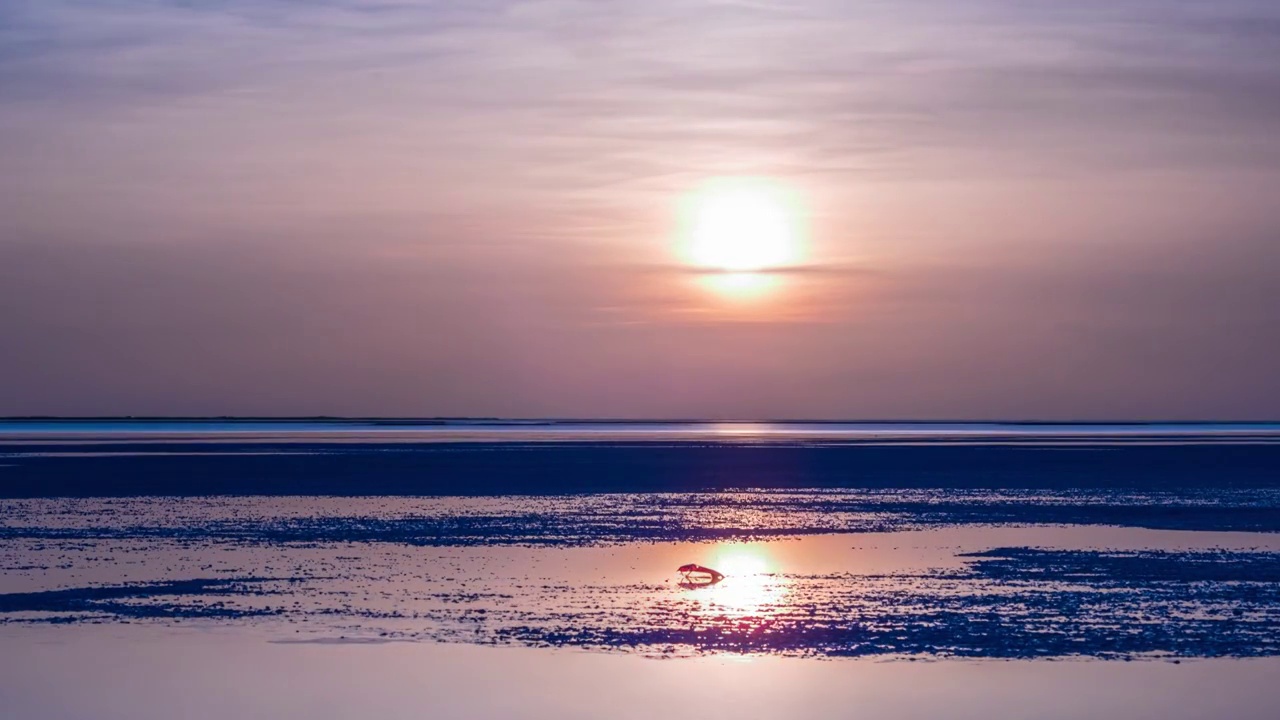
916,581
444,430
142,673
957,590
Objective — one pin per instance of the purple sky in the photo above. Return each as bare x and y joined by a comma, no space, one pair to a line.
1014,209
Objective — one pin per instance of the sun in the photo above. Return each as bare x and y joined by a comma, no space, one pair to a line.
740,226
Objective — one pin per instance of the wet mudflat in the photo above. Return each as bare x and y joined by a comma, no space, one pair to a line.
962,581
592,573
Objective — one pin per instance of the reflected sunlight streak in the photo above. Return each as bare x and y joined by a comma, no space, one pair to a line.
750,591
742,429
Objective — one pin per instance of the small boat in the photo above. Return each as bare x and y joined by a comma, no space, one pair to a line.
694,574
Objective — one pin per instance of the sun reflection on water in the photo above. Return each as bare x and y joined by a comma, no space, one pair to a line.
742,429
751,590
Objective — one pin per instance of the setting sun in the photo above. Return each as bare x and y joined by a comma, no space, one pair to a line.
741,225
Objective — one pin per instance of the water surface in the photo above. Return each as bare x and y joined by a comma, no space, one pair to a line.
517,570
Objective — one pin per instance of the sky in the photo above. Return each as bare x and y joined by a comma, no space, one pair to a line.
998,209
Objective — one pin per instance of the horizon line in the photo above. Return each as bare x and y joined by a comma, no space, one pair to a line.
442,419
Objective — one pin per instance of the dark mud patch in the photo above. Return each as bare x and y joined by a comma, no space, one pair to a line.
177,599
579,520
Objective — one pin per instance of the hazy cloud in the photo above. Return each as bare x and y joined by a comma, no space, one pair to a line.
1015,208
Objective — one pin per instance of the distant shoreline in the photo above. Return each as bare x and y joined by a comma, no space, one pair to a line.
444,420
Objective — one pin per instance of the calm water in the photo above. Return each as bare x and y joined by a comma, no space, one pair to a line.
140,673
562,430
236,571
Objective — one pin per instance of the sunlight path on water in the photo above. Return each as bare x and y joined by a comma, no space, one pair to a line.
751,589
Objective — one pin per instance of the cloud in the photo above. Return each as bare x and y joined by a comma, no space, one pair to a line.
463,207
821,86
